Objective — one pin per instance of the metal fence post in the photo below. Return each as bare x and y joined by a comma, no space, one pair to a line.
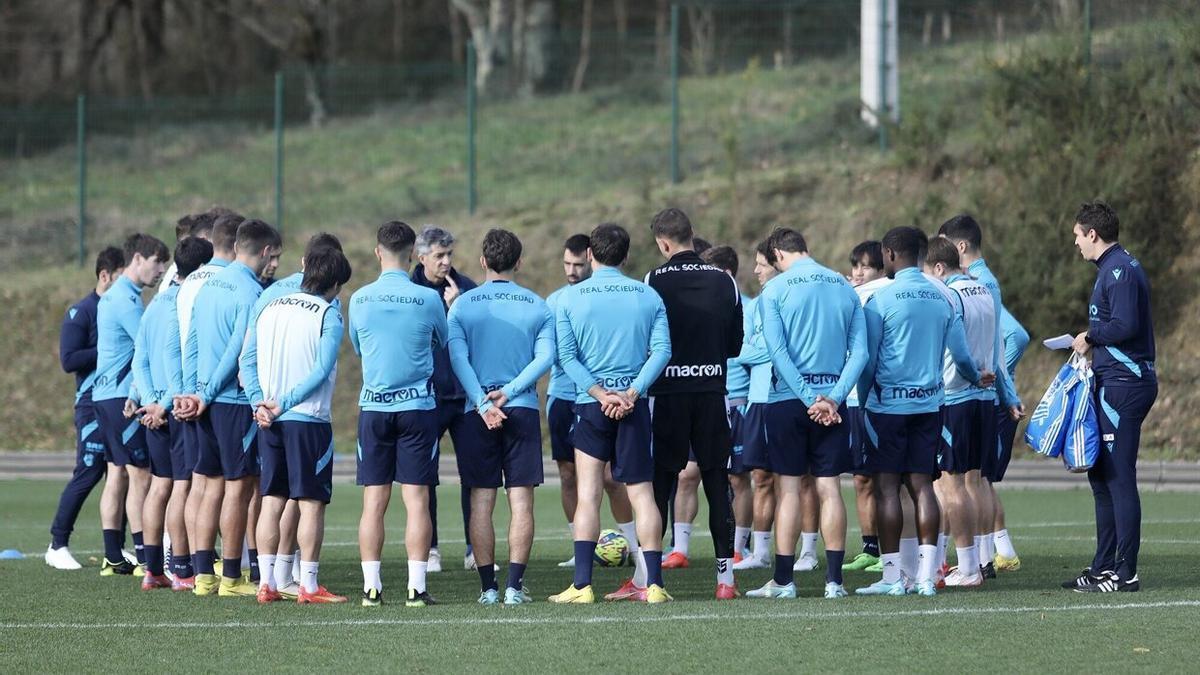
675,178
881,116
472,195
279,150
81,140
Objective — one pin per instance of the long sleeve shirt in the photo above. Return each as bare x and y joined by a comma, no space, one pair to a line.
118,315
1120,324
217,333
77,347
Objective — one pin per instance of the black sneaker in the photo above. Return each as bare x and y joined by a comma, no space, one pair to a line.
108,568
988,571
1109,582
372,598
422,599
1085,577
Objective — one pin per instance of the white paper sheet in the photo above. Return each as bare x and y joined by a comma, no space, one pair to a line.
1060,342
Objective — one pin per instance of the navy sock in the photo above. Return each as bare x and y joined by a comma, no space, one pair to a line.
834,559
516,575
783,569
231,568
154,560
203,560
433,541
487,577
58,541
583,563
653,567
871,545
181,565
253,565
113,539
139,548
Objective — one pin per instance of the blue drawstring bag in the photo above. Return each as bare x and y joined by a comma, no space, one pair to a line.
1047,430
1082,445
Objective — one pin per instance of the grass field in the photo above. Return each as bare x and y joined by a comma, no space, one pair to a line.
77,621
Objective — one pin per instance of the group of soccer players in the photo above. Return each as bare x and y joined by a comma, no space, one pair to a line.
210,408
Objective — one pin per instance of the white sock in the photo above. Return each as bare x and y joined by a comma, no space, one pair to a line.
629,531
245,553
908,556
266,571
943,540
762,545
371,575
725,571
987,551
968,561
741,535
1003,544
308,576
283,571
891,567
808,544
926,554
295,566
571,527
683,537
416,575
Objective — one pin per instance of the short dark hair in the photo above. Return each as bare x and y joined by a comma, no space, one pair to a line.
202,223
905,242
147,246
768,253
942,250
395,236
111,260
672,225
324,268
609,244
191,253
869,253
787,239
501,250
722,257
699,246
254,235
577,244
322,240
225,230
183,226
1100,217
963,228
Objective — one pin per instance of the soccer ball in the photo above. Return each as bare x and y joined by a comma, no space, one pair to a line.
611,549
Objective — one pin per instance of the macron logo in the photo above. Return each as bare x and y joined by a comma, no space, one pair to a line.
1117,274
708,370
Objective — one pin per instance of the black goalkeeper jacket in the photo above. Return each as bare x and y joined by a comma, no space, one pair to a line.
704,312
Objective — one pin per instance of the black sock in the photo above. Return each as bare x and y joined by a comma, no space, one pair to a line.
871,545
154,560
231,568
834,559
204,561
254,576
487,577
584,550
113,540
783,569
516,575
139,548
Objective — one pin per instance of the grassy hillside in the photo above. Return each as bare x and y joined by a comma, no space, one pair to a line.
761,147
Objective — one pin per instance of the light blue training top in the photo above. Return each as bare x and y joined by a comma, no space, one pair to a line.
560,385
156,369
118,316
220,319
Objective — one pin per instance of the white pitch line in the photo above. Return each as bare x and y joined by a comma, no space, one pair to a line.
1186,542
559,620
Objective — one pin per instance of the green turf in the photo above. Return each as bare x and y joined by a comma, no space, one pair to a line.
73,621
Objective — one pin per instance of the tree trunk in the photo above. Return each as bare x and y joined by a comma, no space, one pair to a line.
398,29
537,49
314,96
585,47
927,29
491,33
702,23
519,46
621,10
457,43
662,34
946,26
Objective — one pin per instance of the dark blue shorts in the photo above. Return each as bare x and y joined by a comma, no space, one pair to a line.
625,443
510,455
90,447
182,462
736,465
800,446
856,418
297,460
158,442
968,435
125,438
560,419
230,428
398,447
1006,431
754,438
190,433
903,443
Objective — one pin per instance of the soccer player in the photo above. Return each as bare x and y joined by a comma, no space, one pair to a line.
967,236
289,366
221,231
158,376
435,269
199,225
117,317
1120,338
813,328
867,276
1016,339
968,413
216,399
501,342
704,312
613,341
737,385
560,420
397,326
909,327
77,354
754,355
